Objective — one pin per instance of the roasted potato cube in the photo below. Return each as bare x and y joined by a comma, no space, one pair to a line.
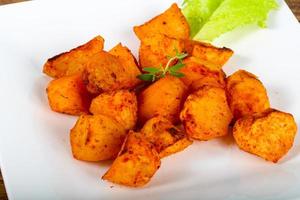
128,62
180,145
136,163
246,94
269,135
211,79
206,114
162,98
166,138
74,61
171,23
120,105
155,50
197,74
212,57
96,138
68,95
105,72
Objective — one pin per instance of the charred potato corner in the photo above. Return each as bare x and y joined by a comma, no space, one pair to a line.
138,113
74,61
166,137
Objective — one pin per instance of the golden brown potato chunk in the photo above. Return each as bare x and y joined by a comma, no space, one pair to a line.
269,135
120,105
246,94
211,79
162,98
206,114
74,61
155,50
171,23
105,72
128,62
212,57
68,95
180,145
136,163
197,74
96,138
166,138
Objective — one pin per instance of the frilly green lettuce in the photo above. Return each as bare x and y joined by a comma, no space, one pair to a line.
208,19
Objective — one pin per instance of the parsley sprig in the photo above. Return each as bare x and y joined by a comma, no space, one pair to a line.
154,73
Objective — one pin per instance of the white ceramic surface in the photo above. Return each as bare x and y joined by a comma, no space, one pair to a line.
35,155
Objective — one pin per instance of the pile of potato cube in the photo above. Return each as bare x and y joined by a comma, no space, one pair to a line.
138,124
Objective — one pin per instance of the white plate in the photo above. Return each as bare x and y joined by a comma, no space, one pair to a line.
36,161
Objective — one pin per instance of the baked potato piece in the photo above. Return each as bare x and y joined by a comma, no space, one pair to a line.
74,61
128,62
212,57
269,135
105,72
155,50
166,138
120,105
206,114
68,95
96,138
178,146
136,163
162,98
246,94
197,74
214,79
171,23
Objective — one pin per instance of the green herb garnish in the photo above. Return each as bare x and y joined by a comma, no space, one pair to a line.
155,73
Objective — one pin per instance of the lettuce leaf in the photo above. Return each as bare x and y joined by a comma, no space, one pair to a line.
223,16
198,12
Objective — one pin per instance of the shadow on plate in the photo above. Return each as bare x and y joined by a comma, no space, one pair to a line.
278,96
